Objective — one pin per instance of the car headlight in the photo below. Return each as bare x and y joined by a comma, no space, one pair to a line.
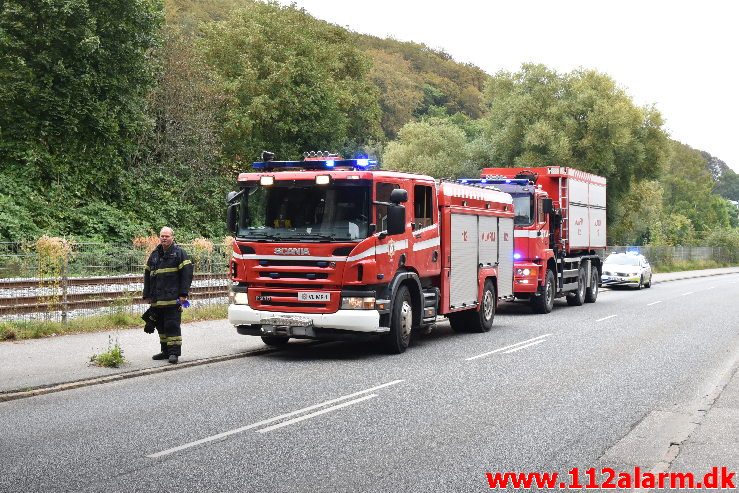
357,303
240,299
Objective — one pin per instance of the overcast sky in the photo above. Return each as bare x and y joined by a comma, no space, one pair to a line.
681,56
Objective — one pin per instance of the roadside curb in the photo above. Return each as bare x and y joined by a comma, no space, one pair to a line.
21,394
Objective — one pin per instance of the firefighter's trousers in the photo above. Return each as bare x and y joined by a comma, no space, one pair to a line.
168,325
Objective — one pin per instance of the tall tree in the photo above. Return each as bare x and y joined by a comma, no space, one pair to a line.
294,83
581,119
74,75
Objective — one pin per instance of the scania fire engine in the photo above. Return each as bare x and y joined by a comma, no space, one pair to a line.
331,248
560,227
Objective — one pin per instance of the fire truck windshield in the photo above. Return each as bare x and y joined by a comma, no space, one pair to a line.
523,205
296,212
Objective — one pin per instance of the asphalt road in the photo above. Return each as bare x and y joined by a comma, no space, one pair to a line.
537,393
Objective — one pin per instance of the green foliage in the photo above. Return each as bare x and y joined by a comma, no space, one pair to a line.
294,83
111,358
435,146
581,119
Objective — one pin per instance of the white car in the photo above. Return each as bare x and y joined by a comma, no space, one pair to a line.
627,269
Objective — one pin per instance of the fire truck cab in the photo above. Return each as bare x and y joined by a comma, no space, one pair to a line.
330,248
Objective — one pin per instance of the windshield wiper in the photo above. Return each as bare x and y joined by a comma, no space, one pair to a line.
261,237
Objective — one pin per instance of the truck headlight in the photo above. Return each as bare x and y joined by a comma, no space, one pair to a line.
357,303
523,272
240,299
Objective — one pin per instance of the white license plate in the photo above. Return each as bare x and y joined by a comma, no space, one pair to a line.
313,296
287,321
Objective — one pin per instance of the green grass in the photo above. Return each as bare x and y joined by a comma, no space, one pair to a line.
117,320
112,358
690,265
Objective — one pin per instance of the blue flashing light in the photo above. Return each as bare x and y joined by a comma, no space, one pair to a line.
516,256
362,164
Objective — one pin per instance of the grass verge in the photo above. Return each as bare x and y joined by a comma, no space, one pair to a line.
687,265
117,320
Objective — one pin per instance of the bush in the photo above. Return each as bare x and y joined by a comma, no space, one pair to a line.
112,358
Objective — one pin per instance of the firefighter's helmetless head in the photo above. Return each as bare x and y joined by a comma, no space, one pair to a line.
166,237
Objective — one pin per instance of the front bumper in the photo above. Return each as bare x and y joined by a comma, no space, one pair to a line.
349,321
620,280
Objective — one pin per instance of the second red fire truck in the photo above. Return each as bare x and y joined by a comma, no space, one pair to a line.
560,229
329,248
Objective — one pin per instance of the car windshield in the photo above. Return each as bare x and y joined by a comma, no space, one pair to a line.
622,259
304,211
524,209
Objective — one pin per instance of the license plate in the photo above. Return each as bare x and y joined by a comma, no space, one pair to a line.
313,296
287,321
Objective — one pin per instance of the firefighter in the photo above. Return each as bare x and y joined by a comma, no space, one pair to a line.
167,279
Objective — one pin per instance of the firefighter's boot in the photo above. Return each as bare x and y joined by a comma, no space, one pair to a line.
159,356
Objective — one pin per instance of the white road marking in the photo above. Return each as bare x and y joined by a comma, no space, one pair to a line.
524,347
317,413
653,303
689,292
509,347
266,421
605,318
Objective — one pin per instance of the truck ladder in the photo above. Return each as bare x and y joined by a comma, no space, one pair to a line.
564,207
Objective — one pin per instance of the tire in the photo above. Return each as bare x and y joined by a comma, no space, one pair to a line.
482,320
275,341
641,283
545,302
401,322
591,294
578,297
460,322
648,284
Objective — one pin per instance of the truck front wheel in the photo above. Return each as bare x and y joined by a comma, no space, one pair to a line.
545,301
482,320
401,322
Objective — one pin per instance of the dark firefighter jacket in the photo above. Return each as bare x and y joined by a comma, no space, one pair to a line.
167,276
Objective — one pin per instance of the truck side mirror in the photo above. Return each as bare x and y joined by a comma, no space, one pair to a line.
396,219
231,216
548,206
398,195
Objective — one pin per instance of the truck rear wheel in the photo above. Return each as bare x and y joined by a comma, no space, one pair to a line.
578,297
592,292
460,322
401,322
482,320
545,302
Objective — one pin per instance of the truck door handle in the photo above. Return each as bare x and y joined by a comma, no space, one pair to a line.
435,256
416,235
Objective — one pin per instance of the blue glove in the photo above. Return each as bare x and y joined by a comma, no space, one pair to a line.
184,304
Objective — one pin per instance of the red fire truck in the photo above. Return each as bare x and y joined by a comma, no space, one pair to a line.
330,248
560,226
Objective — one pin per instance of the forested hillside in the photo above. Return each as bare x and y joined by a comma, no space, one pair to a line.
121,116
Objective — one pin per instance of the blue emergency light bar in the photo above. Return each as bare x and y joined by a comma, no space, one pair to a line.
496,181
316,164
